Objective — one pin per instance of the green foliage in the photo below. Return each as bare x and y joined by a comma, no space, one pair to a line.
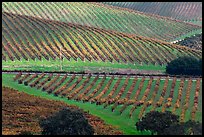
66,122
200,66
166,123
156,121
185,66
26,83
187,128
192,42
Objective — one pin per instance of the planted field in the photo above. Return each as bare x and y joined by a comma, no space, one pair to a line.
133,96
125,124
185,11
27,38
111,61
105,17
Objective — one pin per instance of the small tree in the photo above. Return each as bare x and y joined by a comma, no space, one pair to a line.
187,128
156,121
66,122
185,66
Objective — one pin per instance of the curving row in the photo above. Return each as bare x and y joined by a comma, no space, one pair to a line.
101,16
33,38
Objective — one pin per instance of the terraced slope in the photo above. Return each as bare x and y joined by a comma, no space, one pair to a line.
27,38
185,11
134,96
105,17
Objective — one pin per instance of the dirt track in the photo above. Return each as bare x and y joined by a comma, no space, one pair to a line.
162,76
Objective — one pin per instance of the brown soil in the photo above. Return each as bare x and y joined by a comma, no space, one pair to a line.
21,112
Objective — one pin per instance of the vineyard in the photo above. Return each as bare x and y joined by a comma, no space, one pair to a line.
182,96
185,11
105,17
53,40
113,60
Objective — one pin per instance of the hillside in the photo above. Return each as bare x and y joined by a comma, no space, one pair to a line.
102,16
27,38
21,112
109,59
185,11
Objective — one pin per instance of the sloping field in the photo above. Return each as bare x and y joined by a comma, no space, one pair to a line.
124,93
27,38
105,17
84,54
185,11
21,112
122,122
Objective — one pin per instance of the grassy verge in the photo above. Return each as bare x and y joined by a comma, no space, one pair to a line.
54,65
